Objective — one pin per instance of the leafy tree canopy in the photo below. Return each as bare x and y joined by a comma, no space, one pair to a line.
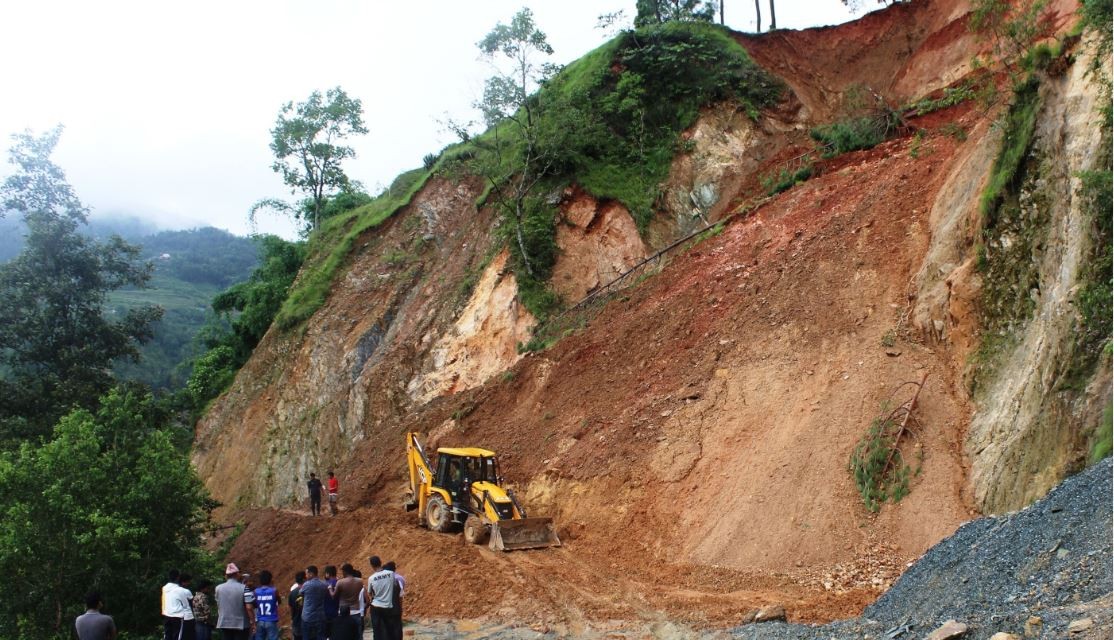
651,12
57,344
108,503
254,302
307,141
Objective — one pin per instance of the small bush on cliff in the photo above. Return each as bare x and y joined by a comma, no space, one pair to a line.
877,463
950,97
854,134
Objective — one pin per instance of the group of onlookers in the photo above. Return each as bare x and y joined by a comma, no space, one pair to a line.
322,607
234,608
338,608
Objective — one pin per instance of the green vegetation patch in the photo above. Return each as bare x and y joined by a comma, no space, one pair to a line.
329,247
611,119
878,466
1015,227
854,134
1017,135
786,179
1104,437
950,97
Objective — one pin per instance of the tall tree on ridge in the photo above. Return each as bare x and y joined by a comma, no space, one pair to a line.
307,143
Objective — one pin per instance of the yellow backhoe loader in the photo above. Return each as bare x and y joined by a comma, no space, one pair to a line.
465,492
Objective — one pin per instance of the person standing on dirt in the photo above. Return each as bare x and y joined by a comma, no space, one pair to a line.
94,625
314,485
347,592
362,611
334,489
266,608
294,601
235,615
382,586
331,607
314,595
393,568
345,627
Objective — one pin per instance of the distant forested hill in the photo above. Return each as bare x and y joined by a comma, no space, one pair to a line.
191,267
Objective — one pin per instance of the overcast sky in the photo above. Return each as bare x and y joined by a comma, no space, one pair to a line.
167,105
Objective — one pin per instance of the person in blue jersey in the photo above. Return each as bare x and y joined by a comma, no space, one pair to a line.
266,608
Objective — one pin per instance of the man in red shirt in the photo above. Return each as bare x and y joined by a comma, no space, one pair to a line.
334,487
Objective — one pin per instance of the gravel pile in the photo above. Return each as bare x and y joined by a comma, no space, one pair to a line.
1050,561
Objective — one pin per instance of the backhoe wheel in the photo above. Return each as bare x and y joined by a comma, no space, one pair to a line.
437,514
475,531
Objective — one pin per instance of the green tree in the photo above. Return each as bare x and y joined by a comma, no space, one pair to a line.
108,503
516,162
251,305
308,145
650,12
244,313
57,344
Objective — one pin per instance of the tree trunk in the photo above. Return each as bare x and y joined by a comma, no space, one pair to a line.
758,16
773,18
521,240
721,12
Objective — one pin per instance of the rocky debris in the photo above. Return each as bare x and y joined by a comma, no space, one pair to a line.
875,567
1002,574
947,631
770,613
1081,625
1002,635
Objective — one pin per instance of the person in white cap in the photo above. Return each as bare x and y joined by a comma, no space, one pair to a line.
235,613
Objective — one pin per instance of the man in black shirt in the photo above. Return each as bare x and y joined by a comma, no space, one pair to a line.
295,602
314,494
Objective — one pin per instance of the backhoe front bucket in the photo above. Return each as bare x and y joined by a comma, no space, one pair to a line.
524,533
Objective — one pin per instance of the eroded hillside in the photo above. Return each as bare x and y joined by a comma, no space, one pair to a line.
702,421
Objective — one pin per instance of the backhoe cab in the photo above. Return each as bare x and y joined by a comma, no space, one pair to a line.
465,491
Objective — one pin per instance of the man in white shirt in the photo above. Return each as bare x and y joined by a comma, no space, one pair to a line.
176,609
386,623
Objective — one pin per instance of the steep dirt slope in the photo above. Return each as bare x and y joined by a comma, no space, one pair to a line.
692,440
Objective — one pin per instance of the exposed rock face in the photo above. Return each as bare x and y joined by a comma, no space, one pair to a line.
482,342
598,242
724,146
1026,433
306,398
939,313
